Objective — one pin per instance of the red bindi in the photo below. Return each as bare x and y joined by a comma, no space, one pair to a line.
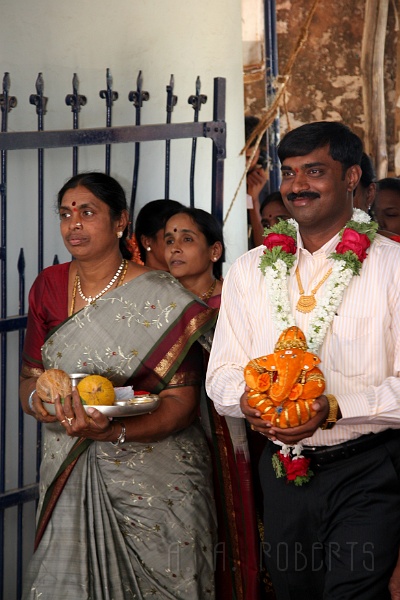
73,204
296,170
175,229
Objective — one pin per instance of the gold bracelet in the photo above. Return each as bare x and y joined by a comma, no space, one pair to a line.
333,413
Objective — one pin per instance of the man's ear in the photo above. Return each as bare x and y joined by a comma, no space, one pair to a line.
353,175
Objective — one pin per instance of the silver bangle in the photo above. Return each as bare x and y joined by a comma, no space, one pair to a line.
121,438
30,400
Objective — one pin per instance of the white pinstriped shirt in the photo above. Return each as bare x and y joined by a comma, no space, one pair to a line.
360,356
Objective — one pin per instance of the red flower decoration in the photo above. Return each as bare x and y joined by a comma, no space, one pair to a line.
287,243
396,238
297,467
355,242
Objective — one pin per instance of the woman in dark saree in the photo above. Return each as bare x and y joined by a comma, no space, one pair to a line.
195,254
126,505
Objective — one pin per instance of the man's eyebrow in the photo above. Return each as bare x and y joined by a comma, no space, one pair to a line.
305,166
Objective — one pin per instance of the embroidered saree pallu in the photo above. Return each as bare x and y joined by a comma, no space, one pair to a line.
134,521
284,385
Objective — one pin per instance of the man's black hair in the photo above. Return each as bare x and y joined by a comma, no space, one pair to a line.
344,145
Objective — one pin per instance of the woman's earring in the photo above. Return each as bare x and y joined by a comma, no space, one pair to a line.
119,234
148,248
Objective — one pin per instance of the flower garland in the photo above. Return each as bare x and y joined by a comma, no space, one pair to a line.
290,463
276,262
279,257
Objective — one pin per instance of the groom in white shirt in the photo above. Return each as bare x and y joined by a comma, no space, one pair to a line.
337,535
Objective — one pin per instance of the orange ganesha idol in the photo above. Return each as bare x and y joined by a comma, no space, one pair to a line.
284,385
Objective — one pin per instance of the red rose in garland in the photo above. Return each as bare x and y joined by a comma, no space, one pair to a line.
354,241
297,467
286,242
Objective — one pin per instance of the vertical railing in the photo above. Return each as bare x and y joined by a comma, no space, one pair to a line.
219,149
171,102
7,103
196,101
110,97
75,101
21,311
40,101
137,98
271,50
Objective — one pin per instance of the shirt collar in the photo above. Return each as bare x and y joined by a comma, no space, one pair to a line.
326,249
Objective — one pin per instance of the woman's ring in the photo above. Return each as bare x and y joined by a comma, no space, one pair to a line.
69,419
63,421
252,427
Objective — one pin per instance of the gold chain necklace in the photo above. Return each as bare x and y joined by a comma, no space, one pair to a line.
306,304
76,287
207,295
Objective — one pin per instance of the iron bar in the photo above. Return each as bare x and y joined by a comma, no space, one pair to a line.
110,97
21,445
75,101
272,70
171,102
19,140
14,497
137,98
6,104
219,148
40,101
196,101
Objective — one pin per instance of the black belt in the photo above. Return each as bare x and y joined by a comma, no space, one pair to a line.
323,455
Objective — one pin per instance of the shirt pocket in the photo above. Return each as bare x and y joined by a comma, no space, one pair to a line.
352,345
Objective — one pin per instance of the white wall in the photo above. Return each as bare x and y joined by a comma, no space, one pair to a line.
160,38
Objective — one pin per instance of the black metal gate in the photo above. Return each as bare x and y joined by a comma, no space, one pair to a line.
18,478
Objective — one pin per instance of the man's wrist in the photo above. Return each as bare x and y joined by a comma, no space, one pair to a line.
333,412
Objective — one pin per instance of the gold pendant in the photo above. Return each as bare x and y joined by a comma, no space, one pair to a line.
306,304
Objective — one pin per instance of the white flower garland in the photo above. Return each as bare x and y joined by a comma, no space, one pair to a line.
342,273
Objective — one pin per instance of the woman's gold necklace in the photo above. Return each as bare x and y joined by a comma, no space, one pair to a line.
121,272
207,295
306,304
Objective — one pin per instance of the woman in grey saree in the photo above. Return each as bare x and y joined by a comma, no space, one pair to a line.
134,520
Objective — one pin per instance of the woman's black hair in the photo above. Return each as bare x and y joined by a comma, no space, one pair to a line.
108,190
151,218
389,183
272,197
344,145
211,228
368,175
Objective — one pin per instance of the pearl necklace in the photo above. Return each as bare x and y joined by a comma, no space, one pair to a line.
91,299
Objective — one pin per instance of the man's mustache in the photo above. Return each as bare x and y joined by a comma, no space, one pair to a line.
292,196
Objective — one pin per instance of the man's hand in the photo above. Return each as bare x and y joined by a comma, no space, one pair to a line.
256,180
293,435
254,416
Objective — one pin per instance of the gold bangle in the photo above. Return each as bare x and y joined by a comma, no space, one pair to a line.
333,412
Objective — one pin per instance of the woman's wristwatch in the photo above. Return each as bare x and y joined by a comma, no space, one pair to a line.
122,436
